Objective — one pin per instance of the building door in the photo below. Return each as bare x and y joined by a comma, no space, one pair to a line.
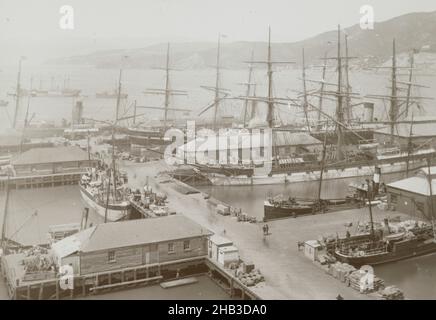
146,255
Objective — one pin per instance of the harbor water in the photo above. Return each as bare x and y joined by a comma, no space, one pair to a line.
61,205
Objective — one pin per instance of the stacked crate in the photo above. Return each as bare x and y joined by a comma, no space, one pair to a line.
357,281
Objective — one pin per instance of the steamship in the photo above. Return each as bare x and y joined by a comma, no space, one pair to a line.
386,242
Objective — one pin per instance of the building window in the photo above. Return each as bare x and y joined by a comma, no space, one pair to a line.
170,247
111,256
186,245
394,198
420,206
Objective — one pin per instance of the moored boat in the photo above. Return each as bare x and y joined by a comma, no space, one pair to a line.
94,189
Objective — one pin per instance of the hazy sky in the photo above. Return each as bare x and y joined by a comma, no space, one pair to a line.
28,24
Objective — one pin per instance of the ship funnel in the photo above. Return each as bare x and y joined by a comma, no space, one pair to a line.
376,179
388,229
78,113
369,111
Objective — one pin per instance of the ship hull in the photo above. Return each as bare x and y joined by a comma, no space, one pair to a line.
411,252
307,176
115,212
272,212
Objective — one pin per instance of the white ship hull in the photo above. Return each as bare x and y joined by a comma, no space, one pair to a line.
115,212
330,174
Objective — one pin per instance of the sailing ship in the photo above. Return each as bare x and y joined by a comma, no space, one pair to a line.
342,163
103,188
146,135
95,189
389,242
277,207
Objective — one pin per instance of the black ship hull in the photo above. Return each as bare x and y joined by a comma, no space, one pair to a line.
272,212
406,251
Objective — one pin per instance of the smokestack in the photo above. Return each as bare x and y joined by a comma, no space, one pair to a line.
376,179
77,113
369,111
388,229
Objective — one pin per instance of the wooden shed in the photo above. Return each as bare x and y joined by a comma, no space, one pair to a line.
135,243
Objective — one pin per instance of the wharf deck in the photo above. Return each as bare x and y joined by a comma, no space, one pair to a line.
42,181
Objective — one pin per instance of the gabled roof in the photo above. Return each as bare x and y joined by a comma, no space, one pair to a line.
418,185
50,155
234,139
10,140
71,244
130,233
220,241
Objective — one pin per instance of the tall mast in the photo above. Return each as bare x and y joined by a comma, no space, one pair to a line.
305,102
398,101
5,215
270,116
17,94
393,106
409,148
369,195
114,175
108,190
118,96
409,84
26,123
253,104
429,177
134,112
250,72
321,93
324,146
347,82
167,92
217,82
339,110
167,86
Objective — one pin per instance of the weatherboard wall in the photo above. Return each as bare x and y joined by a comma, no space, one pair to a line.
99,261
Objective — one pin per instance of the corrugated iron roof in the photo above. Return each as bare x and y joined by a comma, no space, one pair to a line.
50,155
236,138
9,141
114,235
417,185
71,244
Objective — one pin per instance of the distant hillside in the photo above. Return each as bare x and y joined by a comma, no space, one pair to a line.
412,31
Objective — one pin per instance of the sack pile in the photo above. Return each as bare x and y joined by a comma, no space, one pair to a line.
392,293
252,278
340,270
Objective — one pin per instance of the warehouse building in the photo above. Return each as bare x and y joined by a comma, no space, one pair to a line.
237,147
413,195
48,161
160,243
